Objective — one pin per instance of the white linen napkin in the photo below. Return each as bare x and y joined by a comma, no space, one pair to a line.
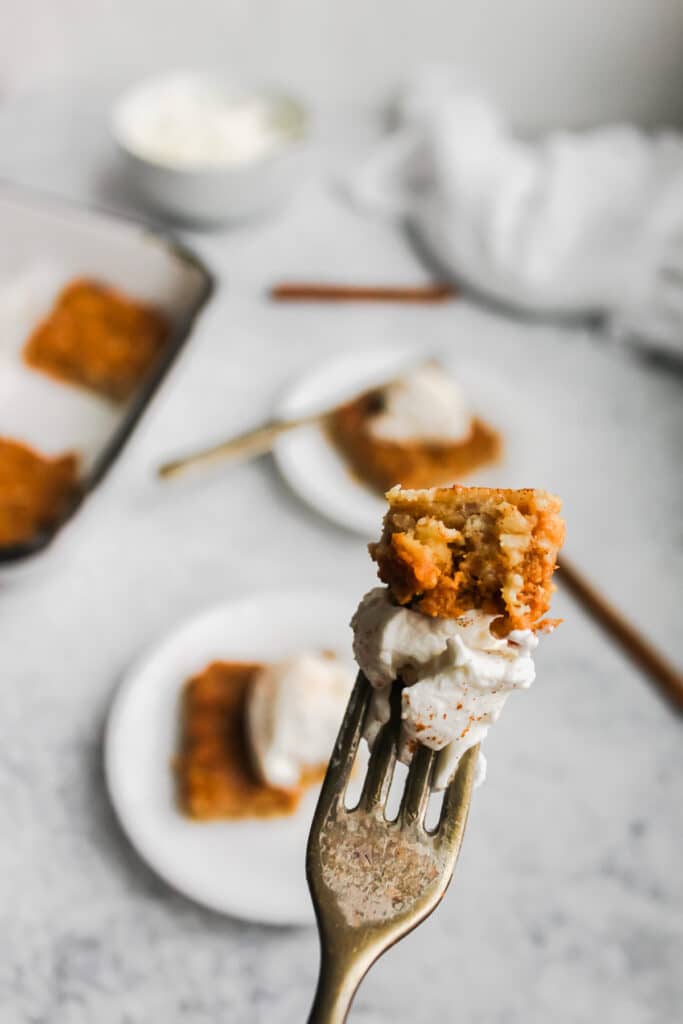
574,223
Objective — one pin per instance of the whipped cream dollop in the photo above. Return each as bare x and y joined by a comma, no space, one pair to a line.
425,405
294,711
189,121
457,675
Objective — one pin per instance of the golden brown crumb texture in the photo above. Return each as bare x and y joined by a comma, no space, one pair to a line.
447,550
36,491
98,338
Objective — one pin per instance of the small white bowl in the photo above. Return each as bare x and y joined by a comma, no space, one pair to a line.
212,191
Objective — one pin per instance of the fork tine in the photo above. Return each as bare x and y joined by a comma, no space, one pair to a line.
380,769
346,746
383,756
372,880
417,789
456,803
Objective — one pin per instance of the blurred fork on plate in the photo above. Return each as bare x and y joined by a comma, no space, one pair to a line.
374,880
260,440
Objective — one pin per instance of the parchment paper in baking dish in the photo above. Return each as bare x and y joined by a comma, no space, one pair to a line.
44,245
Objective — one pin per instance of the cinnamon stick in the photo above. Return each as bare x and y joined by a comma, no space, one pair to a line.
303,291
661,671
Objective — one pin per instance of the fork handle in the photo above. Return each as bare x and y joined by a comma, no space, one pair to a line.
337,984
251,443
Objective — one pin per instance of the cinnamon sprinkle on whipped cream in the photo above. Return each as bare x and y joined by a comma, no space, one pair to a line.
456,675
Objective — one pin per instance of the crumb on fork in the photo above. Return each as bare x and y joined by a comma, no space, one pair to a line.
448,550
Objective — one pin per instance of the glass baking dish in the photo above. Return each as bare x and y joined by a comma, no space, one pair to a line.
46,243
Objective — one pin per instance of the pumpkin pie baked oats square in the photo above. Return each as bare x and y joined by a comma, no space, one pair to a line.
255,736
445,551
98,338
214,771
468,574
416,431
36,491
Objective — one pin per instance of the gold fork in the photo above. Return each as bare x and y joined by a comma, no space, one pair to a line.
260,440
374,880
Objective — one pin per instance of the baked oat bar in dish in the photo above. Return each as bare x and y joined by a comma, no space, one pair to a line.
36,490
98,338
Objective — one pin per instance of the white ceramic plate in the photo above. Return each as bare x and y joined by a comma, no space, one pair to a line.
317,472
250,869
